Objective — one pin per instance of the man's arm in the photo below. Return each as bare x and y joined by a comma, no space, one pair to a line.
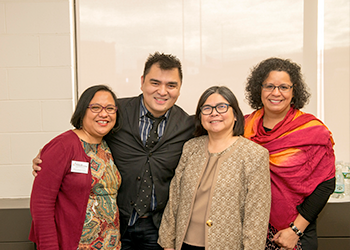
36,162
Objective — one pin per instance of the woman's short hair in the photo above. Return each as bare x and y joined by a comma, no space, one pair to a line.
261,71
238,128
83,104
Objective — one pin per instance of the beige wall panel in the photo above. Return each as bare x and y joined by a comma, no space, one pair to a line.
17,182
19,50
310,53
3,85
337,99
192,40
23,153
37,17
5,149
20,116
2,18
337,75
40,83
337,110
54,122
105,62
36,85
55,50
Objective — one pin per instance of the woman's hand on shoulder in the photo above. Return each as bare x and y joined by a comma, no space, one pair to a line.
286,238
169,249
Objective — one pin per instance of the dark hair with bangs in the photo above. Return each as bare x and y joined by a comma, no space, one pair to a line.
238,128
261,71
165,62
83,104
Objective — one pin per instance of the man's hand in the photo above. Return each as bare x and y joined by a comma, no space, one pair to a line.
36,162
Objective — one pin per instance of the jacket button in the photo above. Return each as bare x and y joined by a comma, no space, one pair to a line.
209,223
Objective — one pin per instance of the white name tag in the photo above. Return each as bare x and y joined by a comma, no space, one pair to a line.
79,167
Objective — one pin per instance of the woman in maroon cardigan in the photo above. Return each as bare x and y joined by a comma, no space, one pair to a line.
73,201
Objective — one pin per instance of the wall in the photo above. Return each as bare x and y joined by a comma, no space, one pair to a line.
216,43
337,74
36,79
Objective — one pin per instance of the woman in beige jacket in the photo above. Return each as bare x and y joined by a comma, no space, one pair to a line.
220,195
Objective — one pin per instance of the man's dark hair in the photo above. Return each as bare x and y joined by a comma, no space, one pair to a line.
165,62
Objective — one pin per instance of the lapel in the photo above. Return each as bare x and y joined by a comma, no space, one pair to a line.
131,118
170,128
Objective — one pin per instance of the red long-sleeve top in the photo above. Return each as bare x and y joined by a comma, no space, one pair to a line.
59,196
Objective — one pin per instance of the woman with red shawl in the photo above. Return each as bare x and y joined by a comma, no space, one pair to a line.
301,152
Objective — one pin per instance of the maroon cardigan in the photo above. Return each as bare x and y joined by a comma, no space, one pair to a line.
59,197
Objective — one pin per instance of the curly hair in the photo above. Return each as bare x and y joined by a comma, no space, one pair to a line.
260,72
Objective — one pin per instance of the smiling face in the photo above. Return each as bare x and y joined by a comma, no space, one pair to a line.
216,123
97,125
160,88
277,103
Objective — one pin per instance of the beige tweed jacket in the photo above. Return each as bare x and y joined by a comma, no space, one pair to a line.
240,202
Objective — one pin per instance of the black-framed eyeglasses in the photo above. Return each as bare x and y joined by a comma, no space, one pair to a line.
97,108
220,108
284,88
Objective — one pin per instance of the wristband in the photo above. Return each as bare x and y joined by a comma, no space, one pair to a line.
296,230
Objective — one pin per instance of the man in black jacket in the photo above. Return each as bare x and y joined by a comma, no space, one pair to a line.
160,85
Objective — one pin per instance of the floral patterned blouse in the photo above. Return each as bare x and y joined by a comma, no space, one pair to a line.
101,226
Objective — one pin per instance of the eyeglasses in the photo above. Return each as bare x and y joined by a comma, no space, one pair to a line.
220,108
283,88
97,108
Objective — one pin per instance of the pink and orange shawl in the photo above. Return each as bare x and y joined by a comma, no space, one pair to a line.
301,157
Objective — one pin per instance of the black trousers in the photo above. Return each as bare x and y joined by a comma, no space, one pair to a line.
189,247
143,235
